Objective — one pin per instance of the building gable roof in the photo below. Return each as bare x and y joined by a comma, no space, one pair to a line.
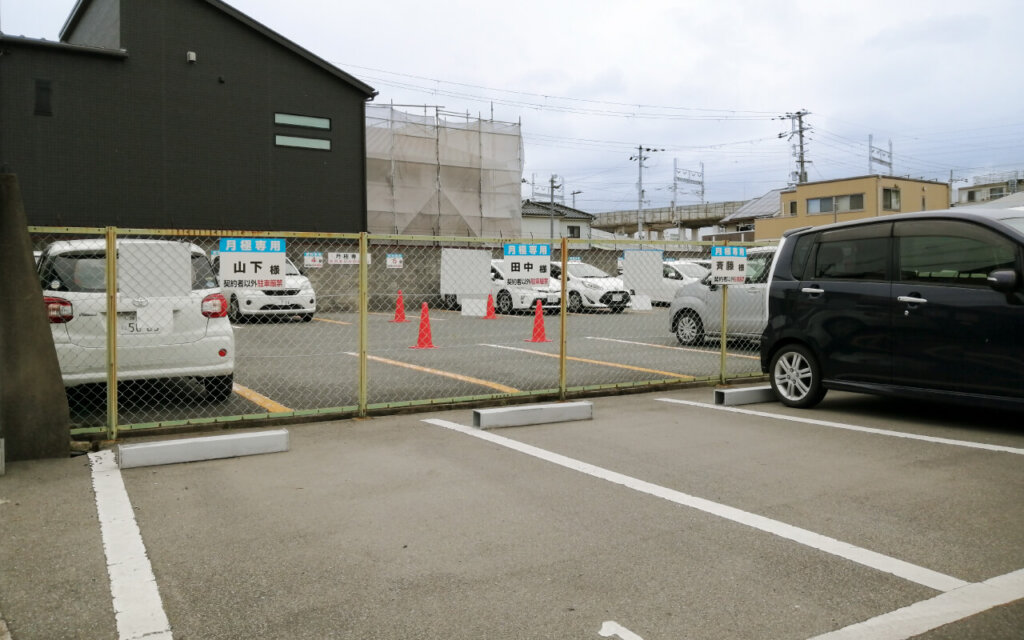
532,209
767,206
82,6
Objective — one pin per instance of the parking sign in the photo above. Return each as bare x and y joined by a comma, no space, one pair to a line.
252,263
728,265
528,264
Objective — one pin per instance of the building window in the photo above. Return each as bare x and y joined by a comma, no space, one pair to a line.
319,144
306,122
792,207
574,231
971,196
996,192
44,93
891,199
839,204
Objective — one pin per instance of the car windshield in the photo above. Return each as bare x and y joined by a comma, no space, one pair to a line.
290,269
584,270
690,269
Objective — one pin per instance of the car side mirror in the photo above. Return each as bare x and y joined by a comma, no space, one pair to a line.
1003,280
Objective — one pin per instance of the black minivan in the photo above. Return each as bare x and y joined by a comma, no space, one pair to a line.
922,305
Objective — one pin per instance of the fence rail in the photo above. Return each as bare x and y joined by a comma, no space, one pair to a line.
226,326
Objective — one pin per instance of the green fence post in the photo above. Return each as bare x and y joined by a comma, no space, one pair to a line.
562,313
364,312
111,241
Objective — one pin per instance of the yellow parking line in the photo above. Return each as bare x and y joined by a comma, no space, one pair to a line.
260,399
665,346
332,321
598,362
456,376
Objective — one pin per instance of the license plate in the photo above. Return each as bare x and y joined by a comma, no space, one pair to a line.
553,299
128,324
616,297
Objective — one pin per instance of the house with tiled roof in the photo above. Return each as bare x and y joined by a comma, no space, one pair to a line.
554,220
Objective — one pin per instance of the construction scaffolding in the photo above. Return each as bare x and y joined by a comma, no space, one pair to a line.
442,174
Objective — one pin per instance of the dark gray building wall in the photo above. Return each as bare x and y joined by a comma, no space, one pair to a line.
148,139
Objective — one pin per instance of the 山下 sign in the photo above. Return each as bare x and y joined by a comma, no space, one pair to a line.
528,264
728,265
256,263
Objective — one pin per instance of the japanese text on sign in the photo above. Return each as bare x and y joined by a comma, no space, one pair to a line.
528,264
251,262
728,265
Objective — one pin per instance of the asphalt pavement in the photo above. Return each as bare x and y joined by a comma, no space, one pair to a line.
664,517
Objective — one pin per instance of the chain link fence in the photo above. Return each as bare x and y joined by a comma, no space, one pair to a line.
216,328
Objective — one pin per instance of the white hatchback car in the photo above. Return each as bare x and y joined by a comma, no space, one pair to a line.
590,288
171,316
296,298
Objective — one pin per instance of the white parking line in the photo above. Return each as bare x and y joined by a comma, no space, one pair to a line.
138,610
930,614
849,427
666,346
887,564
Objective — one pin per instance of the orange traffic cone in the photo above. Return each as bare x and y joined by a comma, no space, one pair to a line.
424,341
538,326
490,308
400,309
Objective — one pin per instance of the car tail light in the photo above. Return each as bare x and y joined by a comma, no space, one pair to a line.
59,310
215,306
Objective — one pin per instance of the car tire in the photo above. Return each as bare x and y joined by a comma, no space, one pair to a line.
689,328
796,377
575,302
219,388
450,301
503,304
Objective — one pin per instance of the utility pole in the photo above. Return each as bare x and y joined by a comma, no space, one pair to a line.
640,157
574,198
797,128
551,211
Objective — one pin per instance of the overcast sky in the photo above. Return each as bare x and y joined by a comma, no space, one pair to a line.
706,81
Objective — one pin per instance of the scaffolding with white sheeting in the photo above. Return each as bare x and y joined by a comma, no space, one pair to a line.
442,174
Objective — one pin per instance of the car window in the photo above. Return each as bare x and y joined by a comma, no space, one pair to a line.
86,271
758,266
801,252
584,270
951,252
856,253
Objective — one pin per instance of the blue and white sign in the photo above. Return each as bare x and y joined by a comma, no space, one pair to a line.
313,259
395,261
528,264
255,263
728,265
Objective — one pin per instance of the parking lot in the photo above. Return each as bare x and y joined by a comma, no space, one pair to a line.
666,516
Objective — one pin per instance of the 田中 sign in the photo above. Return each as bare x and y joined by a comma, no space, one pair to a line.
528,264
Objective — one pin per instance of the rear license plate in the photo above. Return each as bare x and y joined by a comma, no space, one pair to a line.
128,324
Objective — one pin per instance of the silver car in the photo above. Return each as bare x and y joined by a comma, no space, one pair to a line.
695,313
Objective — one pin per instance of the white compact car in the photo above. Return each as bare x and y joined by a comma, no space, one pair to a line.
296,298
171,316
590,288
512,293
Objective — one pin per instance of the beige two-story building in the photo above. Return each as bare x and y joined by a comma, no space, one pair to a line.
817,203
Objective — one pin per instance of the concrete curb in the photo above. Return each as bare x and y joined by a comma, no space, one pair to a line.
208,448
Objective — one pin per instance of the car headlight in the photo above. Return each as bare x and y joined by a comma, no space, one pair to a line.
592,285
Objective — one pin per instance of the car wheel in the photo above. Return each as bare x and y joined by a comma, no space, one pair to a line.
503,304
689,328
234,313
450,301
306,317
219,388
575,302
796,377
